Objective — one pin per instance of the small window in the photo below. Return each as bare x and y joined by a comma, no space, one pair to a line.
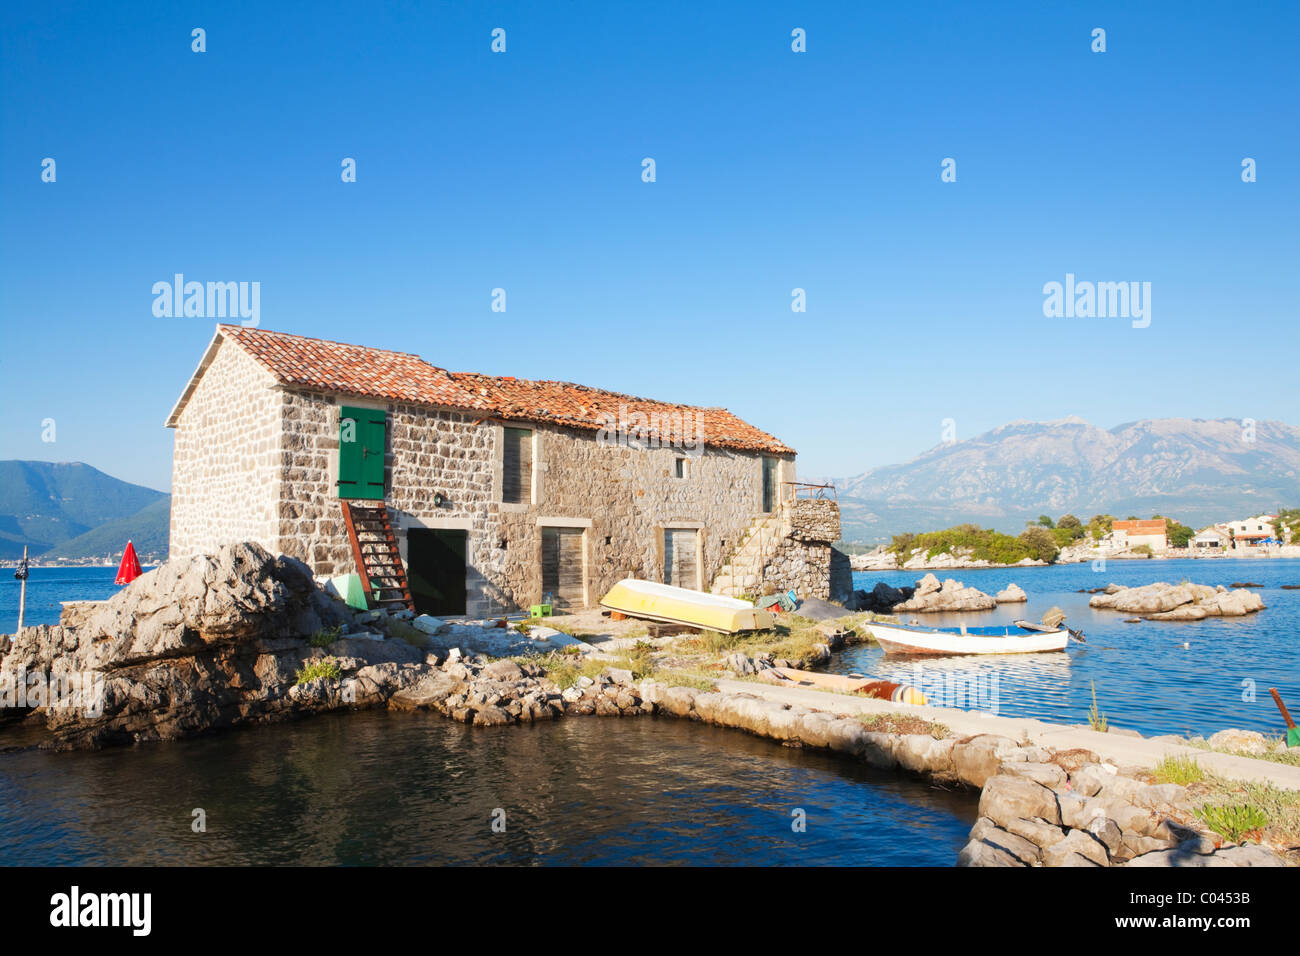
517,466
680,466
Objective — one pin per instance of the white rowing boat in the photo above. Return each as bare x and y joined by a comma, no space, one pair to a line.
998,639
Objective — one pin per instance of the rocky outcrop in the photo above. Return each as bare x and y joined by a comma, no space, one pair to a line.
1178,602
1041,814
207,642
1011,594
951,595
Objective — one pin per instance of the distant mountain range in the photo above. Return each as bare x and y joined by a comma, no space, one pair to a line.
1196,470
73,511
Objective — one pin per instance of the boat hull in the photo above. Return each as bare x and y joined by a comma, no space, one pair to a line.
842,684
673,605
907,640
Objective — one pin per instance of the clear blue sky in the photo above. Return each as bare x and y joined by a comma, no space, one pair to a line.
775,170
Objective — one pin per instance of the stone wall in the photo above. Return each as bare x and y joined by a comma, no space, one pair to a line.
803,559
811,519
622,497
225,459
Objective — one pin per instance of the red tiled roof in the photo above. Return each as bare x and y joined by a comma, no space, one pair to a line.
309,363
352,369
1156,526
580,406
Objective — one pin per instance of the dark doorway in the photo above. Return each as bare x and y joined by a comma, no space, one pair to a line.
435,568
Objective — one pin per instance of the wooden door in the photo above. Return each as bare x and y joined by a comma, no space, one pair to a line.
562,565
769,485
681,564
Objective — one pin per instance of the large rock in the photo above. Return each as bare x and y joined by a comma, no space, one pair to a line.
1011,594
205,642
952,595
1007,798
976,759
1245,741
1079,843
1178,602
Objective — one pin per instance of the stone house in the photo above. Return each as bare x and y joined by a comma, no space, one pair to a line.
1133,533
494,491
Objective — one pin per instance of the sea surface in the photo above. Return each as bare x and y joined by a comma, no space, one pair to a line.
380,788
1156,677
414,789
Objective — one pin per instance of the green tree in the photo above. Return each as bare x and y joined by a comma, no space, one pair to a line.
1040,542
1069,521
1045,522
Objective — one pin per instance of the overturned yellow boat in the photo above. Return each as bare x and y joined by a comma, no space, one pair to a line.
663,602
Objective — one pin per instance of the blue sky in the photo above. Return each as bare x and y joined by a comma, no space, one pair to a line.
775,170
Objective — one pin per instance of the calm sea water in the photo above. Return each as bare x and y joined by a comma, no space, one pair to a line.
46,587
1146,679
381,788
378,788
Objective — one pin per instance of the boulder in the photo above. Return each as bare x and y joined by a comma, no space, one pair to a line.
1245,741
1007,797
1080,843
207,642
952,595
986,831
1047,774
980,853
978,758
1011,594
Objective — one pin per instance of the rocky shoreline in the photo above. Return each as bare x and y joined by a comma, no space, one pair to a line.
241,637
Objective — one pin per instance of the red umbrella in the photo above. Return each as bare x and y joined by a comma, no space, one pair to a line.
129,569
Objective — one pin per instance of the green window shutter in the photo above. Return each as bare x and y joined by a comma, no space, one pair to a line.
361,460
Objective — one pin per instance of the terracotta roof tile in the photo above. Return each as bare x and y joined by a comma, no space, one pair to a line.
352,369
581,406
304,362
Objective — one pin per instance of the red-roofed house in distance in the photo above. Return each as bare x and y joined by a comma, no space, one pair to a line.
1154,533
476,495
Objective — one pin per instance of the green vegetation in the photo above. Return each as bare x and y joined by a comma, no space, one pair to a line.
984,544
327,636
1096,719
327,667
1099,526
1289,757
1288,519
903,724
1179,770
1234,821
1142,549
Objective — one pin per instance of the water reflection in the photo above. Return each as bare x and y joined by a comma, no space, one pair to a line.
413,789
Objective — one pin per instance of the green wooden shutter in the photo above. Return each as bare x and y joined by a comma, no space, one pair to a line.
361,460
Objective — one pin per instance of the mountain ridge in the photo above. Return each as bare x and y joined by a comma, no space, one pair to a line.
1196,470
57,508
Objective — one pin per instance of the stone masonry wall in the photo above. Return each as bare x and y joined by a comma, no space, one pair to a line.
804,559
225,458
623,497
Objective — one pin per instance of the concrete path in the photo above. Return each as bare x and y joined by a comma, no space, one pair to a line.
1120,749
